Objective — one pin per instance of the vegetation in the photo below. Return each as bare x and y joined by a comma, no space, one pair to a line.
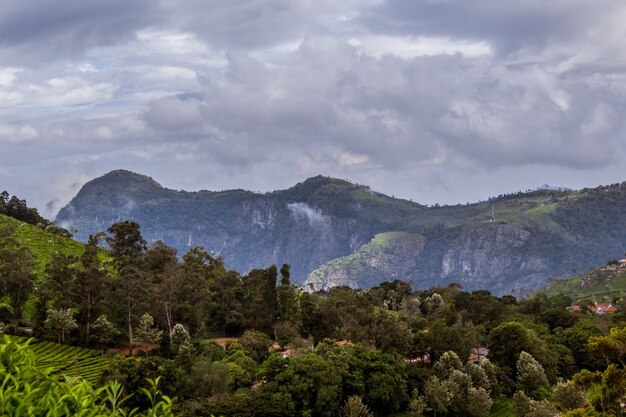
59,360
28,390
608,282
378,352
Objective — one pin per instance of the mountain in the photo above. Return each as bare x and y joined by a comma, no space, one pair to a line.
335,232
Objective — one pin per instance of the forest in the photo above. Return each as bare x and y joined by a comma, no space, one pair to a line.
186,336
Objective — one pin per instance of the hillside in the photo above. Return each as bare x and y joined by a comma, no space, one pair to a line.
327,230
41,243
608,281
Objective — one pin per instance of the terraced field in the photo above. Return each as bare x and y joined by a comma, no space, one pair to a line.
71,361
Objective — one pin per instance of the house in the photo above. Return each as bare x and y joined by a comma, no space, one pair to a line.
603,308
597,308
478,355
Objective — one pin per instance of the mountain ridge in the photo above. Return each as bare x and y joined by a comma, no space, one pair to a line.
510,243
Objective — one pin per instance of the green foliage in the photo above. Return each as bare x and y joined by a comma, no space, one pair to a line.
309,383
136,375
19,210
63,360
42,244
576,338
530,374
569,396
354,407
60,322
146,332
506,342
28,390
503,407
103,330
16,271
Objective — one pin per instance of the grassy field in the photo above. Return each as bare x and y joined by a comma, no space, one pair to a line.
71,361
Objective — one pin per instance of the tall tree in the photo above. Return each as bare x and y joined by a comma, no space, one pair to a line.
131,286
162,265
91,285
60,321
16,271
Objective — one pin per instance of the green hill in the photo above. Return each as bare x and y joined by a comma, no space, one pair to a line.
608,281
41,243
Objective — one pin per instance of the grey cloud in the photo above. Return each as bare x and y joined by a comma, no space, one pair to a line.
32,30
508,25
334,104
251,24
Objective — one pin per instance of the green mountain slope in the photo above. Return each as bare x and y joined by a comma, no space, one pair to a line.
41,243
608,281
322,226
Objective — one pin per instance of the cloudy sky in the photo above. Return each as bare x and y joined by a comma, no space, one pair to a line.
440,101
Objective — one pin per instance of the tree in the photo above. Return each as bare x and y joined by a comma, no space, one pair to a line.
60,322
285,275
309,382
438,395
256,344
354,407
569,396
612,347
505,344
530,374
131,286
91,284
478,402
200,279
16,271
146,332
179,339
576,338
447,363
388,333
104,331
162,266
417,406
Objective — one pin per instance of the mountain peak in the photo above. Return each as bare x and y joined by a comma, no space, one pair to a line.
122,176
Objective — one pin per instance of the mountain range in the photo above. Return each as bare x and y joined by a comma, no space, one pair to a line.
334,232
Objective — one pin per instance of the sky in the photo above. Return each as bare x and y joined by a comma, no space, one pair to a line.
438,101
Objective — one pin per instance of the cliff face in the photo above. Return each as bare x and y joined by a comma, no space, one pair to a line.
305,226
387,257
333,232
482,256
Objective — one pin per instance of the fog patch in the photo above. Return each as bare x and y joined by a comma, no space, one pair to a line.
313,215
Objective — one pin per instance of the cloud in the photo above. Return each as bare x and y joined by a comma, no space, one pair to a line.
418,98
331,102
35,30
313,215
243,24
508,25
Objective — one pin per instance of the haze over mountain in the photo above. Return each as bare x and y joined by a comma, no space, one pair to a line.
334,232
